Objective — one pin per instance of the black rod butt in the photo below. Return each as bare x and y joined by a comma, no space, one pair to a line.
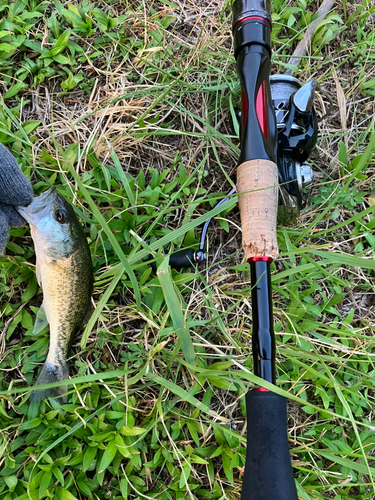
268,469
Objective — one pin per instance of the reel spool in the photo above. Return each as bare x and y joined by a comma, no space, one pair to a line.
297,132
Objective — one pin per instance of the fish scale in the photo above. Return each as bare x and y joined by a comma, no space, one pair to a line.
64,272
66,304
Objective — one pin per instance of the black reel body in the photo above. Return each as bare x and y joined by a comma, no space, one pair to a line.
297,132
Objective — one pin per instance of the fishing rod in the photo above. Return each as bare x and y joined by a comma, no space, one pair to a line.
278,131
268,472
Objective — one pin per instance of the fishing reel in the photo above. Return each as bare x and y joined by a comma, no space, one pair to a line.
297,132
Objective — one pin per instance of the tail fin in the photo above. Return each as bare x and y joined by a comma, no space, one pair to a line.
51,373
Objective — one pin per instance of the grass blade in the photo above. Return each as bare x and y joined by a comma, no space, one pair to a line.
175,306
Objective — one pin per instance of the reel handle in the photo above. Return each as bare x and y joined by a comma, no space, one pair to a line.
186,257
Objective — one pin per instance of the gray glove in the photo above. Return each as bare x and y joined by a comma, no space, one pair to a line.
15,190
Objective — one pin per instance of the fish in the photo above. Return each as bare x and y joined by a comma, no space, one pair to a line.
65,273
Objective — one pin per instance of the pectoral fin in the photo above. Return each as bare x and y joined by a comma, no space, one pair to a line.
38,272
40,321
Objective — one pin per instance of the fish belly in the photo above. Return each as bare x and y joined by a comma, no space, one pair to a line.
66,288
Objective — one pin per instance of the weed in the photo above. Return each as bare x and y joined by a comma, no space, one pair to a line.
124,108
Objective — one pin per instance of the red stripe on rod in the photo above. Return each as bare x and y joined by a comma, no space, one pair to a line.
261,109
263,259
257,18
261,389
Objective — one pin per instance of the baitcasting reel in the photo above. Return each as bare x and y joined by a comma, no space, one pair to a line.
297,131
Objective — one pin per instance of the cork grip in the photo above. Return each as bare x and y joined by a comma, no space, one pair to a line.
257,185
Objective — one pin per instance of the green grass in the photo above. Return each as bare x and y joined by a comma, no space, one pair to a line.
125,109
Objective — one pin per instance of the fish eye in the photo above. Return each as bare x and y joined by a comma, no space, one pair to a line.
61,216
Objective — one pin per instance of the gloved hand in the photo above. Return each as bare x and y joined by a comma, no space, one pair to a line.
15,190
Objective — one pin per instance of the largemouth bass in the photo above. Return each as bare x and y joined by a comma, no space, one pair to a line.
64,271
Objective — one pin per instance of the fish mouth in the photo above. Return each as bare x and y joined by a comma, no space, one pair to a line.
39,204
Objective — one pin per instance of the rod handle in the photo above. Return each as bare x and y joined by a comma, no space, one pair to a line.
257,185
268,470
